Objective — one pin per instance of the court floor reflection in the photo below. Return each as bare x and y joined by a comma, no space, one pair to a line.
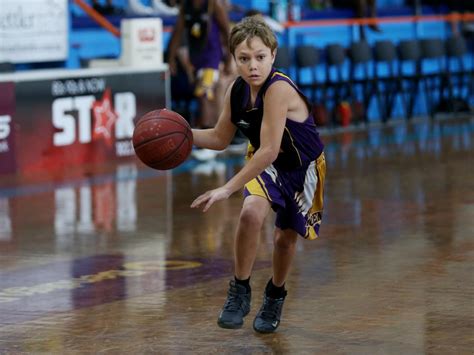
117,262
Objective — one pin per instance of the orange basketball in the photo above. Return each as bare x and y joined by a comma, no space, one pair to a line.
162,139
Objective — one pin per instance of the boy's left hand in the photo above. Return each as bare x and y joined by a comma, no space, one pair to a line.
209,197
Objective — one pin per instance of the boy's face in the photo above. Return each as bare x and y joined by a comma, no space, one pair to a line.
254,61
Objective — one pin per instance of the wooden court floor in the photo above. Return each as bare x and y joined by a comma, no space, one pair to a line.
116,262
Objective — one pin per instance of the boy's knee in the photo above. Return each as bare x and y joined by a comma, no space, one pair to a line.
284,240
254,211
250,216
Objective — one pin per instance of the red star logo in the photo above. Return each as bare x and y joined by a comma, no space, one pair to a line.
104,118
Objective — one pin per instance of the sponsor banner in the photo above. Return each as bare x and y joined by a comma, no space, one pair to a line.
87,120
33,30
7,136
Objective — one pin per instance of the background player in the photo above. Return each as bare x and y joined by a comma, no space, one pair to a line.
206,27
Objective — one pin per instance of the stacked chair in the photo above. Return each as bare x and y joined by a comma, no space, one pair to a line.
307,59
433,74
409,74
412,77
336,89
283,59
459,78
362,82
387,83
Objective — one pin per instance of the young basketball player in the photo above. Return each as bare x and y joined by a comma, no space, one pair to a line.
285,170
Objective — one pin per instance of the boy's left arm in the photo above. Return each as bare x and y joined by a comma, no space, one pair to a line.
271,133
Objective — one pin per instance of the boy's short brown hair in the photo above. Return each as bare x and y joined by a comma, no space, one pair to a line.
250,27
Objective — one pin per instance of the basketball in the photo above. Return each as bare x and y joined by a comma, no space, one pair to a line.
162,139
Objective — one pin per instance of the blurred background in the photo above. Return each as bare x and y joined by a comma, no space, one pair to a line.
100,253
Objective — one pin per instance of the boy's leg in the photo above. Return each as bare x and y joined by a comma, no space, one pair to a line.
204,91
237,304
284,249
252,216
268,317
208,115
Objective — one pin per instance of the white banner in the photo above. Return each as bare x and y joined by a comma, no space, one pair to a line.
33,30
142,42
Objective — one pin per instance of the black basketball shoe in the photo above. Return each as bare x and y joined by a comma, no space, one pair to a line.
236,307
267,319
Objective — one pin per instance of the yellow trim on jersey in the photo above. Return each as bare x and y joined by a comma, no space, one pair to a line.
284,76
305,99
292,143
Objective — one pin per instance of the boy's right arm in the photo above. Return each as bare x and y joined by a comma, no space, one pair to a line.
219,137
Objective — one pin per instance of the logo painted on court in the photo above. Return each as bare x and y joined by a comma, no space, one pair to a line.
91,281
132,269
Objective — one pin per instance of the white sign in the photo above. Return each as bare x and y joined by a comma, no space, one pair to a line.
142,42
33,30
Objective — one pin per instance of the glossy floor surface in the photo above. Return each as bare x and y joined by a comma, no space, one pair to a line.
117,262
